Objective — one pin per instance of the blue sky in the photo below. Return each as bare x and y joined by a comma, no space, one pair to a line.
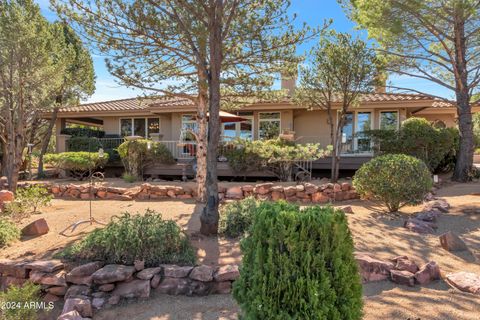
314,12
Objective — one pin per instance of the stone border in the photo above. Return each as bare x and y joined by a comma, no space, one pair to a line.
92,286
305,193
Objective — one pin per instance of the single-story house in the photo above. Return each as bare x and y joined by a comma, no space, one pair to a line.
165,119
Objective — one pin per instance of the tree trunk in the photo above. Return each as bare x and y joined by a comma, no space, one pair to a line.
202,142
210,216
46,141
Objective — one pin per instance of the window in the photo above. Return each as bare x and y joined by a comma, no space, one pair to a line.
389,120
189,123
347,133
142,127
243,130
269,125
364,123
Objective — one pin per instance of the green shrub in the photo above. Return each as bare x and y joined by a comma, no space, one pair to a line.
8,232
129,177
275,155
79,163
394,179
83,132
81,143
19,300
138,154
476,130
417,137
140,237
236,217
33,197
298,264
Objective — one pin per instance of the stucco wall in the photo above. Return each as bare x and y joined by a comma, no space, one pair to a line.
448,119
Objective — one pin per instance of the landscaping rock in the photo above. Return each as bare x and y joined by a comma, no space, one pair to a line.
372,269
77,291
224,287
6,282
113,300
45,265
319,197
234,193
98,303
134,289
403,277
420,226
428,273
175,271
86,269
277,195
290,191
36,228
50,298
147,274
200,288
347,209
263,188
429,216
139,265
112,273
155,281
227,273
72,315
405,264
310,188
81,280
58,291
6,196
174,286
82,305
98,294
202,273
451,242
440,204
106,287
14,268
51,279
464,281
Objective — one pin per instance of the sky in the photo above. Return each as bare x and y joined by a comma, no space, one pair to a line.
313,12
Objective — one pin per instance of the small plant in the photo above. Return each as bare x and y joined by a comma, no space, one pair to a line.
8,232
298,264
17,301
130,178
79,163
140,237
83,143
395,179
34,197
236,217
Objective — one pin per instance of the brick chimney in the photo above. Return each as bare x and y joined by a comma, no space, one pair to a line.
289,83
381,83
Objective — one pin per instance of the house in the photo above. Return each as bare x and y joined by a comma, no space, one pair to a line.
165,119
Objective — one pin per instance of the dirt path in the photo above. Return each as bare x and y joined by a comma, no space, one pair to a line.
372,230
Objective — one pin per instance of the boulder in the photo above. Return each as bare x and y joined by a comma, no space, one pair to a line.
113,300
45,265
200,288
290,191
98,303
48,297
427,273
36,228
6,196
82,305
248,188
451,242
464,281
227,273
139,265
440,204
277,195
106,287
14,268
224,287
71,315
174,271
155,281
86,269
58,291
347,209
77,291
319,197
234,193
403,277
405,264
345,186
263,188
7,281
134,289
174,286
147,274
202,273
372,269
51,279
81,280
310,188
430,216
112,273
420,226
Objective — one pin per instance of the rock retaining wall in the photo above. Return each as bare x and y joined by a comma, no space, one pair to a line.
306,193
92,286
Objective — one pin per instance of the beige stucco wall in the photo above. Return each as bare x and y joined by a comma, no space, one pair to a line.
448,119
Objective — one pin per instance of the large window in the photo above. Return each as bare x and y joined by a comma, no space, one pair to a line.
364,123
142,127
189,124
269,125
243,130
389,120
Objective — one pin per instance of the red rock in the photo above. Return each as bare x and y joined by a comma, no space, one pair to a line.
184,196
200,288
174,286
50,298
55,190
347,209
134,289
372,269
6,196
78,291
8,281
13,268
58,291
263,188
102,194
116,190
113,300
72,315
319,197
82,305
139,265
292,199
175,271
420,226
429,216
428,273
202,273
290,191
98,303
106,287
248,188
227,273
52,279
403,277
45,265
345,186
155,281
440,204
235,192
80,280
405,264
36,228
86,269
277,195
464,281
224,287
147,274
112,273
310,188
339,196
302,195
171,194
451,242
337,187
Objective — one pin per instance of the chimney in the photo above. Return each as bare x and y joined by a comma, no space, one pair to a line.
381,83
289,82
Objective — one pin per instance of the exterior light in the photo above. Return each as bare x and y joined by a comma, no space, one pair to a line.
101,153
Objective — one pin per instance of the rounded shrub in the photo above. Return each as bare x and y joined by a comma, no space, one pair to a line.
236,217
17,301
8,232
394,179
298,264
